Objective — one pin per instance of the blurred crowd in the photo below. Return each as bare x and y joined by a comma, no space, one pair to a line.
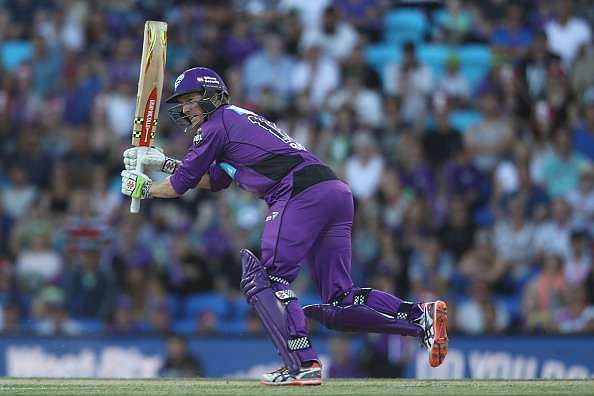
474,185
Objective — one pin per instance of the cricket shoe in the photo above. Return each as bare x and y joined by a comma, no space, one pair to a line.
311,375
434,321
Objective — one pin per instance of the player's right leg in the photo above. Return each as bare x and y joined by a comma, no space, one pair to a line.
347,308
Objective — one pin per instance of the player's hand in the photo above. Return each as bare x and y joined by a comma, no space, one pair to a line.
136,184
153,160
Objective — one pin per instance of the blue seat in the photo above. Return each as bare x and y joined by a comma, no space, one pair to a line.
462,119
184,326
90,325
232,327
308,298
405,24
205,302
474,74
435,56
378,55
512,302
475,55
242,308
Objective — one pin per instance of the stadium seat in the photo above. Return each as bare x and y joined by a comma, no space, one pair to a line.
406,24
475,55
462,119
184,326
205,302
308,298
232,327
241,307
435,56
474,74
90,325
378,55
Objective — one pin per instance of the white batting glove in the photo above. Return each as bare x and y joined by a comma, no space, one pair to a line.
153,160
136,184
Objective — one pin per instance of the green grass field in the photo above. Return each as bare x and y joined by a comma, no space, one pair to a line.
90,387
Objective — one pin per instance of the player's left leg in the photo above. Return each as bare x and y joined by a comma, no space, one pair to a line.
289,232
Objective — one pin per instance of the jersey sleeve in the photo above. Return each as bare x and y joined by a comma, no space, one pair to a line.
219,179
207,146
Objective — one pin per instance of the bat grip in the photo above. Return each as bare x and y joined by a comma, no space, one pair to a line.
135,203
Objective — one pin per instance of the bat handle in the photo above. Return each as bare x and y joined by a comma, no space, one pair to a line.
135,203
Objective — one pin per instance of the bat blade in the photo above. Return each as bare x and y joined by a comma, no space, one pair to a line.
150,88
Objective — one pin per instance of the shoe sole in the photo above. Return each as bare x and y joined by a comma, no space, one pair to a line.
312,382
439,349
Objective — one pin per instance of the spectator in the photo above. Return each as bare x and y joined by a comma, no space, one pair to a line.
179,361
566,33
581,200
366,102
575,316
453,84
89,290
480,314
336,37
553,236
458,232
577,263
514,181
430,268
544,294
316,75
394,198
364,169
53,316
513,36
262,68
411,81
514,242
491,138
454,23
39,262
560,171
19,195
582,73
480,264
442,142
583,132
536,65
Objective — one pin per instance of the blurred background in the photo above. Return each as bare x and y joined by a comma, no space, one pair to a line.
465,129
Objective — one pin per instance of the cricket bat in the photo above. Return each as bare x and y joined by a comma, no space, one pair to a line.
150,87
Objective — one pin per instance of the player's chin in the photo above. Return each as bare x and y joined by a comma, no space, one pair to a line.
195,123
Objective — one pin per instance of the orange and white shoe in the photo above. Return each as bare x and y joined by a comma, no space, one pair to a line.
311,375
434,321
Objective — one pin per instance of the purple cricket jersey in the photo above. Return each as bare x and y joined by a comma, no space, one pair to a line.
252,149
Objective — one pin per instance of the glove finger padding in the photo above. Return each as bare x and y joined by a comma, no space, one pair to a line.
136,184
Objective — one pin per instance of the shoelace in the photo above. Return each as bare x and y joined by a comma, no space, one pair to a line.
279,370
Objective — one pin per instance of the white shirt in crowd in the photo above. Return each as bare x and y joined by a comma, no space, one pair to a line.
470,317
363,178
322,78
566,40
551,237
368,104
46,264
337,45
17,200
577,268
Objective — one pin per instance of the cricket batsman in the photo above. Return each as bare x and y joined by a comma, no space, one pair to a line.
310,217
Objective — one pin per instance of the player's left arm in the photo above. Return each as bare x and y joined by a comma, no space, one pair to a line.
196,168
